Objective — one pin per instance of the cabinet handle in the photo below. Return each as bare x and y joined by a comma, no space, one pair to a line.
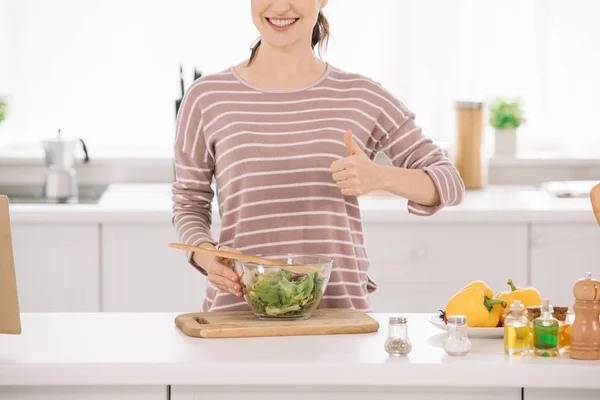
419,254
539,241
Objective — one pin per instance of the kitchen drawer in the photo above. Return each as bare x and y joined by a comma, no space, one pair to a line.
341,393
134,392
560,255
419,266
561,394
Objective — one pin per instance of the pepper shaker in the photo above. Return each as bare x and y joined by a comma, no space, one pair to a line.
456,342
398,342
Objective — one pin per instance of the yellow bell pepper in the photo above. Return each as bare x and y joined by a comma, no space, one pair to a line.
487,292
529,296
494,315
472,303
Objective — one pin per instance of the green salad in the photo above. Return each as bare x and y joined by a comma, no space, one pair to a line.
282,293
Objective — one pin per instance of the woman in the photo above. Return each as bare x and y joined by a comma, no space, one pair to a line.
290,141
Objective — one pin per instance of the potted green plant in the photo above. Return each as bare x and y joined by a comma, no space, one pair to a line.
3,110
506,116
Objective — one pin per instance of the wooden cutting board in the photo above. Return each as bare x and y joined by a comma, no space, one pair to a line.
10,316
232,324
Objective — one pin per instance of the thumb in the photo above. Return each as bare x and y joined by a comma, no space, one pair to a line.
350,143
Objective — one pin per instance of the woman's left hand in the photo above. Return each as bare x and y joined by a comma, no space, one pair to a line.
356,174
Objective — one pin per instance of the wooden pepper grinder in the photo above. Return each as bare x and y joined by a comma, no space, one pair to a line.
585,332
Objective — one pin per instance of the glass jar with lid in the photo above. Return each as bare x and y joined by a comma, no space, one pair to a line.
398,343
457,342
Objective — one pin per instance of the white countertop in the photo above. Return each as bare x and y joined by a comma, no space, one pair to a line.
132,349
151,203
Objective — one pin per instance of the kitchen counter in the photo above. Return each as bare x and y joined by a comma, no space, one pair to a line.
125,349
148,203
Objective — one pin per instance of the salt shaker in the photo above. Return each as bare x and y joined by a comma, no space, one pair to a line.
456,342
398,342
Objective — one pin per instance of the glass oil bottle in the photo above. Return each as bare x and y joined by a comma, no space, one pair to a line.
545,333
516,330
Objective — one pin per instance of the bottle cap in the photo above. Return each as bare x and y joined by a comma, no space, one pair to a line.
397,320
516,307
586,289
457,319
465,104
545,305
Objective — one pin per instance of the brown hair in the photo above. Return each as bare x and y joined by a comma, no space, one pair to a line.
320,36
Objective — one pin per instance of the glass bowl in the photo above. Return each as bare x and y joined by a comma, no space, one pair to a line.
275,293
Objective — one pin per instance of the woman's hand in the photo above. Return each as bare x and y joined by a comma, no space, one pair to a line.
357,174
220,271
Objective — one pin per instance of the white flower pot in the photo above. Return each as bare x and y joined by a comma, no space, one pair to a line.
505,142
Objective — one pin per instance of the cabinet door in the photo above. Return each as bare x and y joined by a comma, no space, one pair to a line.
418,267
141,273
83,393
560,255
355,393
57,267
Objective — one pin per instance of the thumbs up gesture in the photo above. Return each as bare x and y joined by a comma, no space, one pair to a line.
356,174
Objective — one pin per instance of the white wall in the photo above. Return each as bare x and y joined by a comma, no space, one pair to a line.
4,45
107,70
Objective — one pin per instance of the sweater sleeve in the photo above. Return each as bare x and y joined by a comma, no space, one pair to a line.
194,170
407,147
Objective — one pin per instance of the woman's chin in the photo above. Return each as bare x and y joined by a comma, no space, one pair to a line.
279,44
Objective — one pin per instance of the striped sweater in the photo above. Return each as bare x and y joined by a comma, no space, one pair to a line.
269,153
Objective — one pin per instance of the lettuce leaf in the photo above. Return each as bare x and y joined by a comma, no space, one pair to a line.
283,293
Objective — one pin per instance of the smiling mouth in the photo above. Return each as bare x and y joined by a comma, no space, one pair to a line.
282,23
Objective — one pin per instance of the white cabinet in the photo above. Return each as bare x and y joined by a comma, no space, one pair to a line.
83,393
342,393
417,267
141,273
57,267
562,253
